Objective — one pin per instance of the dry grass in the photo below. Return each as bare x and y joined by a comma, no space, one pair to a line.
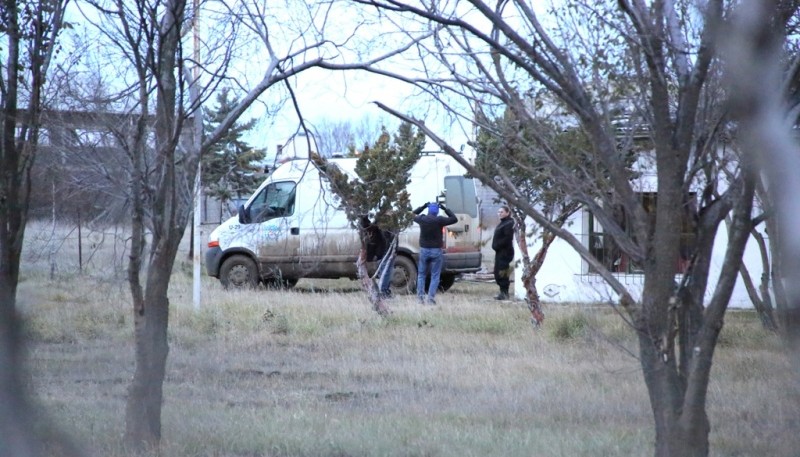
314,372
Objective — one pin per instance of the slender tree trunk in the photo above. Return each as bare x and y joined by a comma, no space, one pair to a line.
15,419
145,395
368,284
28,30
137,429
760,297
531,267
762,303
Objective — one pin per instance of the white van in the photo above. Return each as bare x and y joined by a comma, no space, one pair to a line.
292,228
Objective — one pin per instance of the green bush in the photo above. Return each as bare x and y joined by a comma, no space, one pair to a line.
567,327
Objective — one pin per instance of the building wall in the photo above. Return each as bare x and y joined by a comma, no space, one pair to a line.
564,277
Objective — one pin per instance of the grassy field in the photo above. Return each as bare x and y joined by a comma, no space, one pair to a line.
315,372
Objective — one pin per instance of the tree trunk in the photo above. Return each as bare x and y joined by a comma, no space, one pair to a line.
28,29
169,213
666,390
369,286
15,413
531,267
762,303
145,395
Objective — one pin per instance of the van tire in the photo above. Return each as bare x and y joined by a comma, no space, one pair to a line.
446,282
404,268
239,272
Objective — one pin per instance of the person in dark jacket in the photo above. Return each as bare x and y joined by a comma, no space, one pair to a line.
503,245
375,243
378,242
431,242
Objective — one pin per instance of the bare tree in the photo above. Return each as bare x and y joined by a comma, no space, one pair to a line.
344,136
334,137
30,32
768,110
163,97
622,70
759,47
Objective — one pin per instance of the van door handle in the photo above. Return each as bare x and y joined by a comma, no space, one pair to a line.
294,230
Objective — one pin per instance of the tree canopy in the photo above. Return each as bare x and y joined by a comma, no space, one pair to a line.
379,189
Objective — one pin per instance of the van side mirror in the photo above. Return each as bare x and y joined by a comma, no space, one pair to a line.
244,215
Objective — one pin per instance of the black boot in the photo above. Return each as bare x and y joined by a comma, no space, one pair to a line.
501,296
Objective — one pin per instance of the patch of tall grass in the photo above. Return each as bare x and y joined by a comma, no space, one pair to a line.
68,312
743,329
567,327
315,372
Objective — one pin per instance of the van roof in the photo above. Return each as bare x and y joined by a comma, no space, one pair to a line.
295,169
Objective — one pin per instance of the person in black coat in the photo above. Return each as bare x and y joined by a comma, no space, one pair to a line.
503,245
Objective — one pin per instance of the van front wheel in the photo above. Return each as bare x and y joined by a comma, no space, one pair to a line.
239,272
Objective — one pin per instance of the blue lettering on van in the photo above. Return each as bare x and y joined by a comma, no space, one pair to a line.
272,231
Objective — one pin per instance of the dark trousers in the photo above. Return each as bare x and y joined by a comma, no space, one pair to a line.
502,273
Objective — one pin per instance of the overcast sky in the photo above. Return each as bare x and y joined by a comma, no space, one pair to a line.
334,96
322,95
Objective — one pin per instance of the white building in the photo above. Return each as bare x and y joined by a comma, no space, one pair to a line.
565,277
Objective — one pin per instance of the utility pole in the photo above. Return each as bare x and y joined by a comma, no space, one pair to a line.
198,183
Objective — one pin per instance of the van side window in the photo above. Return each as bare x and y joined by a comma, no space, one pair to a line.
275,200
460,195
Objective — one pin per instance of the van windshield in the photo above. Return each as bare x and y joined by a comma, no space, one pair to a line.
275,200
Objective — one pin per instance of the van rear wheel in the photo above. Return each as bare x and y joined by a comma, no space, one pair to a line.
404,277
239,272
404,280
446,282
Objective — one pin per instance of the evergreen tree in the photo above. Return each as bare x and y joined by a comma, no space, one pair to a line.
383,174
230,168
379,191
